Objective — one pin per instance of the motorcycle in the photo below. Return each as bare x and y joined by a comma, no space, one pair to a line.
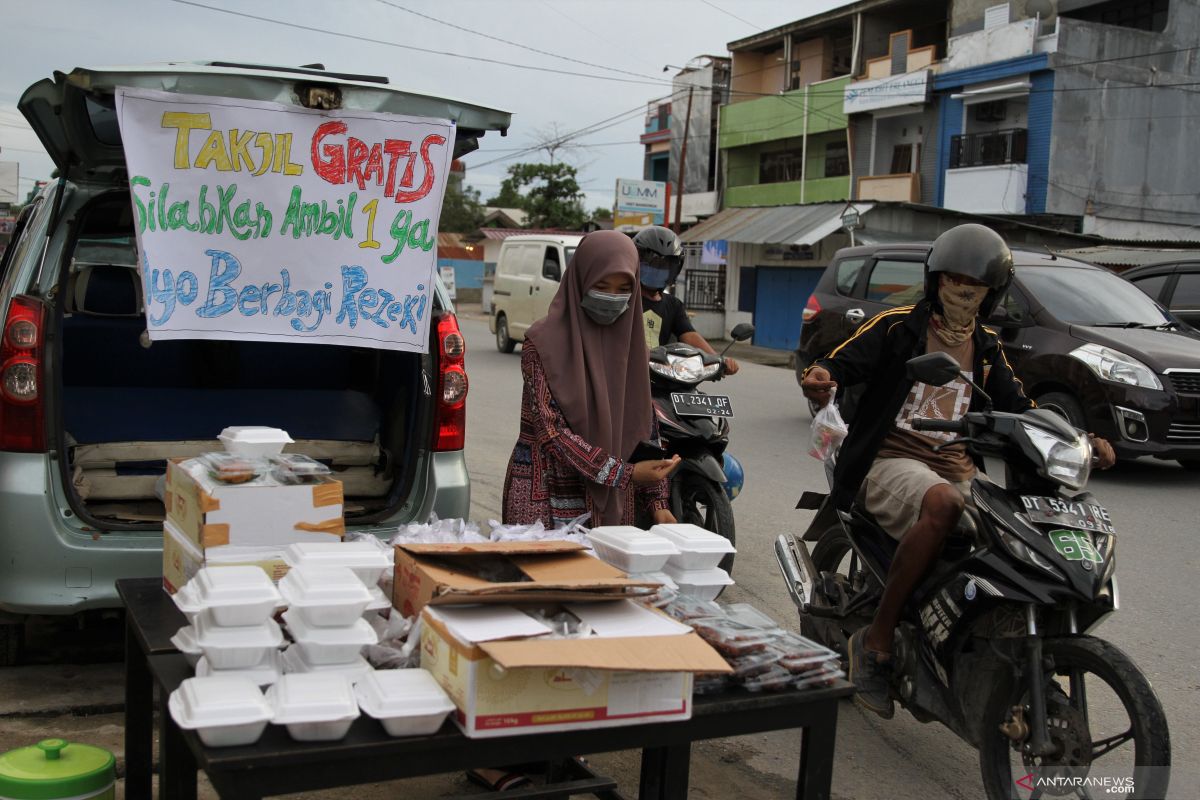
695,426
996,643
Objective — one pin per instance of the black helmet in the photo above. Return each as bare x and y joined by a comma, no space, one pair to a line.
975,251
660,254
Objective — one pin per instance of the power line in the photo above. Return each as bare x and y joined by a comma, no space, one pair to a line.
512,43
758,28
449,54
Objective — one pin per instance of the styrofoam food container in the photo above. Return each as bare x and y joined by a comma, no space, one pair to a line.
185,600
702,584
185,642
293,661
407,702
367,560
315,707
263,674
379,600
326,597
237,595
329,645
225,711
698,548
239,647
631,549
252,440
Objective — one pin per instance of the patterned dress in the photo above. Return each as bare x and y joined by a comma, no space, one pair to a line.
551,465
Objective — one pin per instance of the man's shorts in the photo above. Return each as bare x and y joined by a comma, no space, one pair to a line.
895,488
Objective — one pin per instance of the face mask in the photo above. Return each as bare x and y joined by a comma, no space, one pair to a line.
960,302
604,308
655,277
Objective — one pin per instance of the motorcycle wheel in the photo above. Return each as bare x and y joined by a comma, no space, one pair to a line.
1090,685
833,556
695,500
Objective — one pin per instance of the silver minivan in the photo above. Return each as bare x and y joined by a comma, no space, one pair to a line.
90,410
528,272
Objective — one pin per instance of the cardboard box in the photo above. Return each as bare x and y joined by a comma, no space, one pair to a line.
213,514
504,572
182,558
504,686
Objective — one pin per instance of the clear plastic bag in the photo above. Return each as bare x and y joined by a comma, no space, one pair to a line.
828,431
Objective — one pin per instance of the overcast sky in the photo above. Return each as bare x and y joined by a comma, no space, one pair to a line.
636,36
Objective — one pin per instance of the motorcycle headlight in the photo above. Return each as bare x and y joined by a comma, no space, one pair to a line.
685,369
666,370
1068,462
1115,366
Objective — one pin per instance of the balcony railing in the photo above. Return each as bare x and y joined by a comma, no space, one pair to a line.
988,149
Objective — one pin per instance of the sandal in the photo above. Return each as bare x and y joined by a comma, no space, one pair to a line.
497,780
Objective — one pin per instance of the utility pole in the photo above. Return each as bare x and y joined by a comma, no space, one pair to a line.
687,124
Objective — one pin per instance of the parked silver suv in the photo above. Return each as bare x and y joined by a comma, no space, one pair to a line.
90,410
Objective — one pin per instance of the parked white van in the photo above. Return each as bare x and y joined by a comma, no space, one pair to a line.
527,276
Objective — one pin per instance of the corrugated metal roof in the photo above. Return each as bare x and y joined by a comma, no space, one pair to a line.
1110,256
504,233
806,224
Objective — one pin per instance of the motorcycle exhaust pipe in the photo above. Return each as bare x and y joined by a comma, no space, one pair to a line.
799,573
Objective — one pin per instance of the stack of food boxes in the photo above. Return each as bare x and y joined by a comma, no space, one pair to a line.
687,555
320,683
245,505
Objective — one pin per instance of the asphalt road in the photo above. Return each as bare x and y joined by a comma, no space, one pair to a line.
75,688
1153,507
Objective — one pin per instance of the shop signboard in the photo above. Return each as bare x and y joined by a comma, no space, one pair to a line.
911,88
640,204
259,221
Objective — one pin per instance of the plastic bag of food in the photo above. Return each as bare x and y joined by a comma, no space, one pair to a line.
232,468
293,468
828,431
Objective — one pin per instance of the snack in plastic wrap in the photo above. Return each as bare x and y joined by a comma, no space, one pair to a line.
753,665
828,431
709,683
685,608
773,680
749,615
731,639
798,654
232,468
294,468
819,678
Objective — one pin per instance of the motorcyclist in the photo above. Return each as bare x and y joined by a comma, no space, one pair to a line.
916,494
661,258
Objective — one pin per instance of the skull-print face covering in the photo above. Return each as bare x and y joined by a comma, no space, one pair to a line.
960,305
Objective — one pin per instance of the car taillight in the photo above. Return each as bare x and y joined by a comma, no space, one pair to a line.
811,308
22,427
450,419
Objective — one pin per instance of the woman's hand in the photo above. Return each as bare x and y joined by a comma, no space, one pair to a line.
663,517
646,473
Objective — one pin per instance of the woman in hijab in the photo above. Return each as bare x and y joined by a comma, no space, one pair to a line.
586,401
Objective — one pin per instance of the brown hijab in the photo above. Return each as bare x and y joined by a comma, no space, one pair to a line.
598,374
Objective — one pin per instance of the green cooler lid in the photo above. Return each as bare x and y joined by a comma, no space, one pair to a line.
55,768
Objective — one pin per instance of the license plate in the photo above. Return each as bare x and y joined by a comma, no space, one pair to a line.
1073,514
701,405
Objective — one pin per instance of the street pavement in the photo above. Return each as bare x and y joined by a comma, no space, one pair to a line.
1152,505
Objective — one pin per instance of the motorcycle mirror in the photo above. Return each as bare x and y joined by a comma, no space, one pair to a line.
936,369
741,332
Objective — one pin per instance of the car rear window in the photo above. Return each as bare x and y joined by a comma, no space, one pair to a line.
847,274
896,283
1152,285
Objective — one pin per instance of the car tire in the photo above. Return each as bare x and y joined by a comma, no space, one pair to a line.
1065,406
504,342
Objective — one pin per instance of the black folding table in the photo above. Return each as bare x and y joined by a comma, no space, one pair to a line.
278,765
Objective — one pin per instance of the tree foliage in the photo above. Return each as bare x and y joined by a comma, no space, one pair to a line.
461,210
550,194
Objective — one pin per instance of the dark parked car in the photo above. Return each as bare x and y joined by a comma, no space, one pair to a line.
1084,342
1175,286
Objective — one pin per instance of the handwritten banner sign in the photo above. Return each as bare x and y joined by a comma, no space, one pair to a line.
266,222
